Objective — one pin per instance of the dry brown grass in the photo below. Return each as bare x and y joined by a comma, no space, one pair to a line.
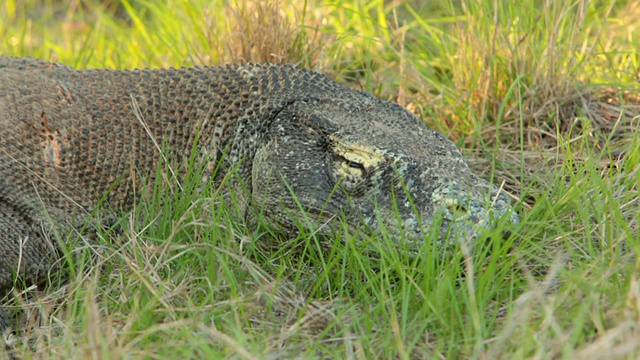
262,32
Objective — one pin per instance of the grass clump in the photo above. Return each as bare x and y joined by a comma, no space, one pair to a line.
542,95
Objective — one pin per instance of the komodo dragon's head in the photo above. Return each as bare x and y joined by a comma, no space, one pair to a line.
347,155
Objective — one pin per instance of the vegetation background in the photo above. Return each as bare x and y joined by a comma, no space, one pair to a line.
543,96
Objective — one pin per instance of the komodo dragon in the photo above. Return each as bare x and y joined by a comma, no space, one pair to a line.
70,139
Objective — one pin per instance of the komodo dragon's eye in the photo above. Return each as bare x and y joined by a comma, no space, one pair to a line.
348,173
352,163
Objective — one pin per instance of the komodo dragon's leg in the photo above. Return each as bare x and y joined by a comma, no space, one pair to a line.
24,254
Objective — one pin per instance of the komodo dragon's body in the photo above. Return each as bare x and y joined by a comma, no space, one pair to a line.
72,138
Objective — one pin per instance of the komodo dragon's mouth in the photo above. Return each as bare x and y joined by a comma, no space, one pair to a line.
452,223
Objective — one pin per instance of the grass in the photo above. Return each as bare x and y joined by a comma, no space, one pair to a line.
542,95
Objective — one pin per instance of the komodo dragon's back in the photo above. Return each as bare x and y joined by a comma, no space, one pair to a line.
71,139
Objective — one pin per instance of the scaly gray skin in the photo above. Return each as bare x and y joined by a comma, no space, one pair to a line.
71,137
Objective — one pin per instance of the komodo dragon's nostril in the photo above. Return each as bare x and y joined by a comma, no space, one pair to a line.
458,211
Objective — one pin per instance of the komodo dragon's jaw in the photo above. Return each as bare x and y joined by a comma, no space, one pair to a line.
371,162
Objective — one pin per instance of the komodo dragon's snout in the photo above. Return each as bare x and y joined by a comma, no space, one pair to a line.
371,162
